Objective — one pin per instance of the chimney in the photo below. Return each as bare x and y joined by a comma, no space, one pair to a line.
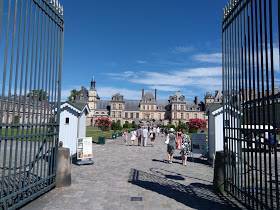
155,94
196,100
143,92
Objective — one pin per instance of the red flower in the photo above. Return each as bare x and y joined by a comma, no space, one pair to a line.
196,124
104,123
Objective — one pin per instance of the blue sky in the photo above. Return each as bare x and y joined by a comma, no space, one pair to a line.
128,45
131,44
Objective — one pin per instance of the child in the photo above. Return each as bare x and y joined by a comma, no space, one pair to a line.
125,135
133,137
185,149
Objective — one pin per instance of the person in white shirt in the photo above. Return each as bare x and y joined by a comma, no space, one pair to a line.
145,136
133,137
158,131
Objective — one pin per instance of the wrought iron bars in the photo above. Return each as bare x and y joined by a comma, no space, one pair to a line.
31,42
251,101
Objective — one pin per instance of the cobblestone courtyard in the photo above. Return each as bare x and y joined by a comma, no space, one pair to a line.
132,177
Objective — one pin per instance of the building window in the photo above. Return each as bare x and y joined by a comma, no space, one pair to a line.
67,120
114,106
182,107
120,106
182,116
195,115
188,116
137,115
126,115
113,114
131,115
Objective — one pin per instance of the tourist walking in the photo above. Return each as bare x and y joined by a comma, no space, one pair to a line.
133,137
186,149
158,131
179,139
171,144
125,136
153,135
145,136
139,135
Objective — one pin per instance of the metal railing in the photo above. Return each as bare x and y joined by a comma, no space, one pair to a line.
31,44
251,100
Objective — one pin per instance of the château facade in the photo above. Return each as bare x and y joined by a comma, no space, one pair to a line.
147,109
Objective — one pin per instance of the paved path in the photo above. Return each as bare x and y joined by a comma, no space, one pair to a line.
135,178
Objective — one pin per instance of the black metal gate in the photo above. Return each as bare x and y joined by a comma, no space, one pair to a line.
31,43
252,102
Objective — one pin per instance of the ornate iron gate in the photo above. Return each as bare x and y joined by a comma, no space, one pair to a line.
252,102
31,43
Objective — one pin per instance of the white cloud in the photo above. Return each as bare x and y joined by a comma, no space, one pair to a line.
205,78
107,92
209,58
276,59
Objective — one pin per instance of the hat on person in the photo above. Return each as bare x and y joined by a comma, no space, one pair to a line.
172,130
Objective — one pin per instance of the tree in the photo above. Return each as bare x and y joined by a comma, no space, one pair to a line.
170,126
116,125
182,126
104,123
127,125
73,95
133,125
40,95
197,124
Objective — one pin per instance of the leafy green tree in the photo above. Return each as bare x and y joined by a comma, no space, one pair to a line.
127,125
73,95
40,95
182,126
114,126
118,125
170,126
133,125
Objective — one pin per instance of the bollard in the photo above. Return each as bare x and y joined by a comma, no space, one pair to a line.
219,172
63,172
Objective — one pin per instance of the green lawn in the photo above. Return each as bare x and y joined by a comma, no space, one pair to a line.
95,133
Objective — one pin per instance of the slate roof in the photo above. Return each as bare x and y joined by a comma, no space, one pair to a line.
78,105
213,107
102,104
161,104
132,105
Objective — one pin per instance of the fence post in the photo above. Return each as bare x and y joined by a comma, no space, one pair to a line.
219,173
63,171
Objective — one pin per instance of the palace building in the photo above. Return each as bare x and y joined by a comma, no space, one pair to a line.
147,109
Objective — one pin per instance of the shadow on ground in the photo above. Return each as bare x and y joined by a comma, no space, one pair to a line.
168,173
196,195
194,160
